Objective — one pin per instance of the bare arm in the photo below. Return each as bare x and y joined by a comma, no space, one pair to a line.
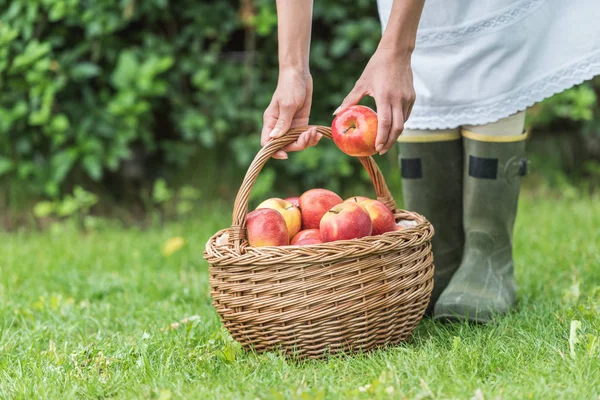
290,105
388,75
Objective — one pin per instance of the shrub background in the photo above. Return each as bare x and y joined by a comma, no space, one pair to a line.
114,94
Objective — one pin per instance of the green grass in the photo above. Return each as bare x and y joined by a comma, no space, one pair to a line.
85,316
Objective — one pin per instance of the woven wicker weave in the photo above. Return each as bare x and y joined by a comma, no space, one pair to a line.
314,300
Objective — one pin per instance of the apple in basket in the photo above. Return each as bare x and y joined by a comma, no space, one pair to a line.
308,241
288,211
346,221
306,234
294,200
356,199
314,204
382,217
354,131
266,227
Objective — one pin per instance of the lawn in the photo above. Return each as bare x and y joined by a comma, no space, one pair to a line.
90,316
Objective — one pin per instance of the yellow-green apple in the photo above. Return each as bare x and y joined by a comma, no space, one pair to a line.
345,221
314,204
308,241
382,218
266,227
290,213
354,131
356,199
306,234
294,200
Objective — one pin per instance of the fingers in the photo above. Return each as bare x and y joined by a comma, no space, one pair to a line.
269,121
280,155
284,120
384,125
397,128
307,139
355,95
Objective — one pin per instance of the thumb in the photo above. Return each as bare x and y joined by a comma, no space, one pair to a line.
355,95
286,115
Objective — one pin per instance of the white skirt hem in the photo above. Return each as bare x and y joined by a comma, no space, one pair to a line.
502,106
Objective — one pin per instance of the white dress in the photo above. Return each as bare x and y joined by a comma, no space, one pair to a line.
477,61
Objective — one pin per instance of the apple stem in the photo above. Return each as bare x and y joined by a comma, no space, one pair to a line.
353,126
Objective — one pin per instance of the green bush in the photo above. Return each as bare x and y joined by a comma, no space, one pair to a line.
88,86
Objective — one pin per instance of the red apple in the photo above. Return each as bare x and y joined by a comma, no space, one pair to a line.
382,218
290,213
294,200
306,234
399,228
308,241
346,221
356,199
314,204
266,227
354,131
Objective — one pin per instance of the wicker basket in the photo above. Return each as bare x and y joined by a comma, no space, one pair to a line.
309,301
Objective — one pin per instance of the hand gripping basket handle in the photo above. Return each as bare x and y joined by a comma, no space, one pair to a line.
240,208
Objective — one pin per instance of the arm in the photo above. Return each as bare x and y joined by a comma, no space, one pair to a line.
388,75
290,105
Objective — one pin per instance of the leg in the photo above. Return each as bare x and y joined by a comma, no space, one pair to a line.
484,283
431,166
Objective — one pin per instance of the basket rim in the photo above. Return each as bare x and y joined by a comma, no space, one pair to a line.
226,255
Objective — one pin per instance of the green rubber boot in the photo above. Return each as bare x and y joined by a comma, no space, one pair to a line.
484,284
431,168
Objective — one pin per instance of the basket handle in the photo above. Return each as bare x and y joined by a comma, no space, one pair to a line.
240,208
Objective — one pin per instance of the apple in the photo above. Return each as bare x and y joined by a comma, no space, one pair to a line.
382,218
288,211
308,241
266,227
294,200
306,234
356,199
399,228
346,221
354,131
314,204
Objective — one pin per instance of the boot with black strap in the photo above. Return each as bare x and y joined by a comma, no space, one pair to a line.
484,284
431,166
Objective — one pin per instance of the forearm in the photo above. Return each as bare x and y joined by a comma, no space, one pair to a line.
401,31
294,26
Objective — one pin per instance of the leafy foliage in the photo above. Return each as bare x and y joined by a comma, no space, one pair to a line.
88,86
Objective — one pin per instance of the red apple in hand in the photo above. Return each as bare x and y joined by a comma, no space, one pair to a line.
306,234
294,200
266,227
345,221
382,218
314,204
288,211
354,131
356,199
